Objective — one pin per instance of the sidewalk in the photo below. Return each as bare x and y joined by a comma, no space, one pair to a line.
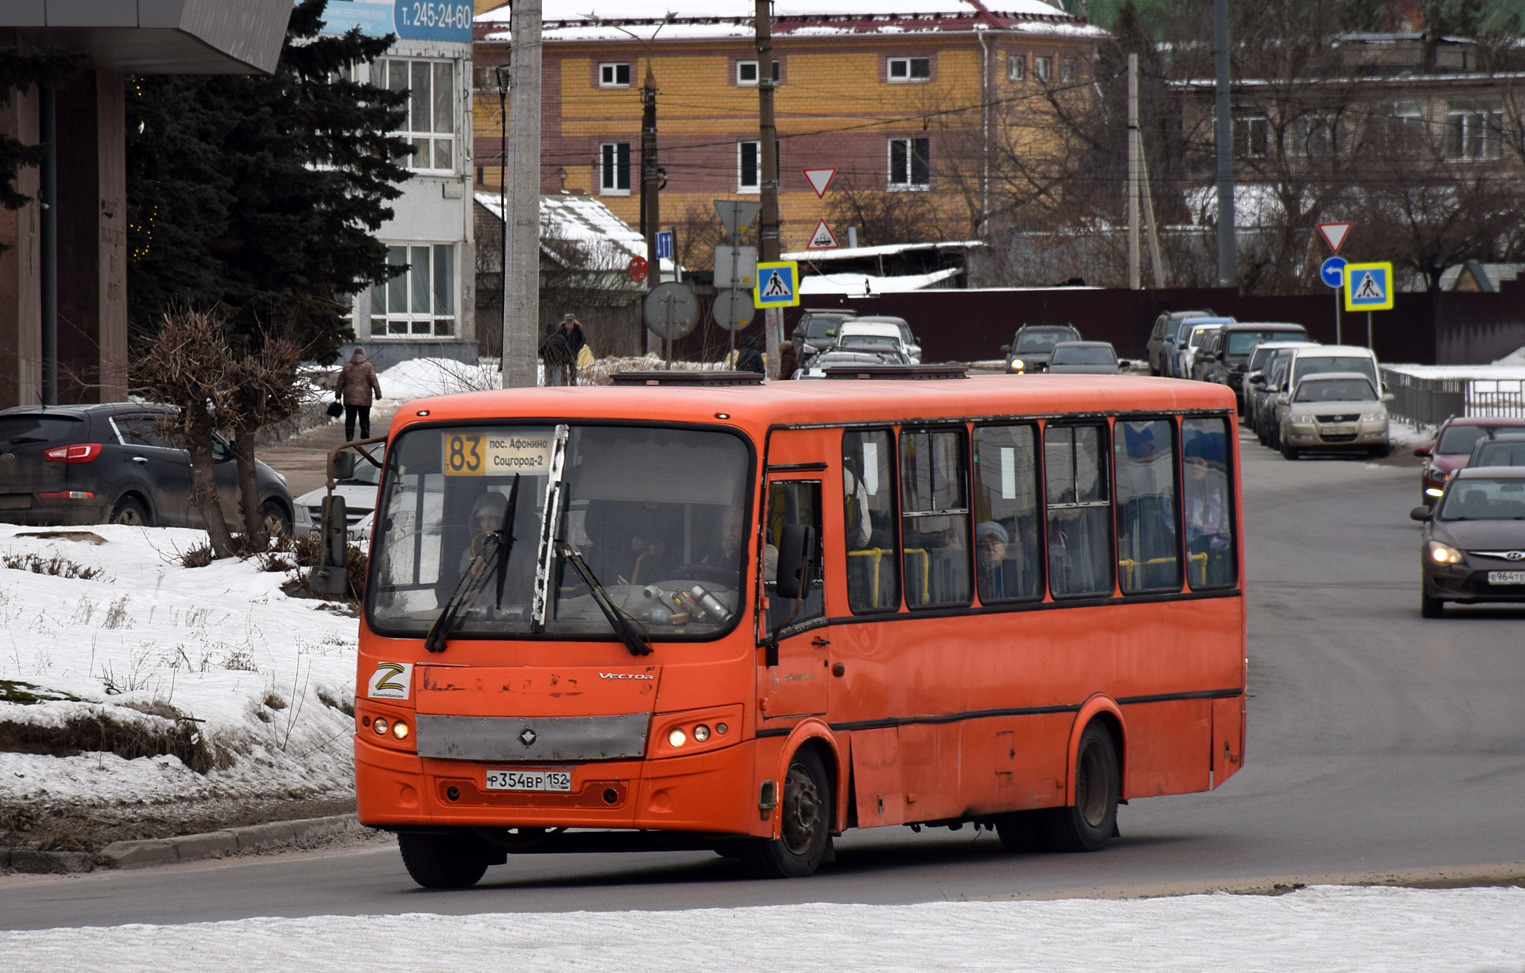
302,457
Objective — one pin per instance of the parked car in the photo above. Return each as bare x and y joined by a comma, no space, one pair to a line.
1084,358
1498,451
1333,410
1474,540
112,463
1193,333
814,331
846,359
1263,400
1227,360
1453,446
1161,347
1334,358
1032,344
359,493
911,342
863,334
1255,372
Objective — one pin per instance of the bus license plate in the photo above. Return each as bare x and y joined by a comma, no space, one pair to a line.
1506,577
529,780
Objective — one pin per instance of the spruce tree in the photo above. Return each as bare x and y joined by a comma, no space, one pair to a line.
262,194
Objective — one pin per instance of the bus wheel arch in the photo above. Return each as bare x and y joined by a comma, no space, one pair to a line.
1088,819
815,733
807,793
1106,710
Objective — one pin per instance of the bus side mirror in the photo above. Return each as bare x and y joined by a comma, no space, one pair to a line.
332,576
342,466
794,561
1420,513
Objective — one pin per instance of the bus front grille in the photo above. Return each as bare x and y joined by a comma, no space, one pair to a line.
537,739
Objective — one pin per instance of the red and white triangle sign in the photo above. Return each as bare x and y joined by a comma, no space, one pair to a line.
1334,234
819,180
822,238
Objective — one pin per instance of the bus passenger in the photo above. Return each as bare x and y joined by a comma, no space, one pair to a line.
1207,513
998,577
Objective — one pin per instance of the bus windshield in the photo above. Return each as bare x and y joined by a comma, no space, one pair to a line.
655,513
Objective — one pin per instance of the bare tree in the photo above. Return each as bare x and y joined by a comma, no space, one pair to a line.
265,387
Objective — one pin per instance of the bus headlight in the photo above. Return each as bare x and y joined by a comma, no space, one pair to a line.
380,726
677,737
400,730
701,733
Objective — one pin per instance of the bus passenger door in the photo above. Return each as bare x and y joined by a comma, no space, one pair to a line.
797,684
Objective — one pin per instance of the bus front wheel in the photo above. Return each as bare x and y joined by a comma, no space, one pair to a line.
445,861
805,829
1089,823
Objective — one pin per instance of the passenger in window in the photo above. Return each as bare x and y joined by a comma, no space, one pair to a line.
998,577
1207,514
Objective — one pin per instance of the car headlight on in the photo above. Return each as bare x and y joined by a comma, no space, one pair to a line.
1374,417
1443,554
1017,365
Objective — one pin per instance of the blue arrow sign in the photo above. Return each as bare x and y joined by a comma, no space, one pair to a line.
664,245
1333,271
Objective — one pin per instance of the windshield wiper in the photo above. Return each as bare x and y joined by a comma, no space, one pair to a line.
624,626
494,556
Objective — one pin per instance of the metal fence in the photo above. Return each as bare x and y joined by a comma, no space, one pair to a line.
1431,401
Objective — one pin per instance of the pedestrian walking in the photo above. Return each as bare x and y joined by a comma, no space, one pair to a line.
749,359
571,329
788,359
357,382
556,352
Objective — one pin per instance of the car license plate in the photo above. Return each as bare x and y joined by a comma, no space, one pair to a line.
1338,430
529,780
1506,577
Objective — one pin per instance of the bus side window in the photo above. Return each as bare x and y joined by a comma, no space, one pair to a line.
1208,503
934,509
793,502
868,500
1148,549
1079,512
1007,565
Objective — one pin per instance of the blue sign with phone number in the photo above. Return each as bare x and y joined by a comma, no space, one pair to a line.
420,20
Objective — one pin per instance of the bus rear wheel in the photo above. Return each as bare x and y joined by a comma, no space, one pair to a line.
805,828
1089,823
445,861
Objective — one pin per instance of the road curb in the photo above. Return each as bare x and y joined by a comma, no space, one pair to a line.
183,848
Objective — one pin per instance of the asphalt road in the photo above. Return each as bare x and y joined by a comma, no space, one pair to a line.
1378,741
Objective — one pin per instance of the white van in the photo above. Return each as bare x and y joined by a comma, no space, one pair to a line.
1334,358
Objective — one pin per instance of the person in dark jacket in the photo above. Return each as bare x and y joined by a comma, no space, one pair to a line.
749,359
357,382
571,329
788,361
556,352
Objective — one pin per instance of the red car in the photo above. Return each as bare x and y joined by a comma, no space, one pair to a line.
1453,446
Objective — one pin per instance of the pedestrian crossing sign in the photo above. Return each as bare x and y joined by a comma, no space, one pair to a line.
1369,287
777,284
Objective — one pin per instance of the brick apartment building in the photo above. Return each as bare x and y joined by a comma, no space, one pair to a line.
900,96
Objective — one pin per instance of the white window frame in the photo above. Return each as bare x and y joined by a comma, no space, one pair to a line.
609,72
429,301
608,176
908,65
1069,70
429,124
742,81
1251,135
1043,67
741,170
909,183
1016,67
1474,132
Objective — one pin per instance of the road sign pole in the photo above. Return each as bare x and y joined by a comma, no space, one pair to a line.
1337,297
1368,329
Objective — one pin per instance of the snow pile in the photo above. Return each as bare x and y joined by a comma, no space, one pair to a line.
1315,929
214,664
422,377
1515,359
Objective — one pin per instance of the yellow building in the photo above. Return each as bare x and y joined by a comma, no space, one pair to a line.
914,103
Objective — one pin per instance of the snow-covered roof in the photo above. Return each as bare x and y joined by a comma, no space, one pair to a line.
867,285
699,20
889,249
583,220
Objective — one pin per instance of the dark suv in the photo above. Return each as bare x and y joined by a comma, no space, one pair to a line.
109,463
1226,359
816,330
1032,346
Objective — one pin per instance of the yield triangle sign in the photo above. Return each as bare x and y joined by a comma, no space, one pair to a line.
819,180
1334,234
822,238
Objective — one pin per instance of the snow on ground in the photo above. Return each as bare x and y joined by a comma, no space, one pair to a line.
151,643
1316,929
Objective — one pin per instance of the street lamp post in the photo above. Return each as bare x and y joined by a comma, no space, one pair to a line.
502,74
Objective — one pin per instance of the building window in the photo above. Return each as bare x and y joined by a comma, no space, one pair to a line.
746,72
776,72
1251,136
614,74
748,166
903,69
614,168
1474,132
420,301
1016,67
910,163
1043,69
1069,71
430,122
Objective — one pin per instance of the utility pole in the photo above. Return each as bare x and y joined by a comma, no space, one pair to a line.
1223,134
767,243
651,220
503,74
1133,167
521,315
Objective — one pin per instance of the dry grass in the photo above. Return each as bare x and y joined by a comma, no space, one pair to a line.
57,566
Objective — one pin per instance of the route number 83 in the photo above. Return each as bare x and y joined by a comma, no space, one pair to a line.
463,455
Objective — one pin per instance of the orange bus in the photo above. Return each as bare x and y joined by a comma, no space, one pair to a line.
692,612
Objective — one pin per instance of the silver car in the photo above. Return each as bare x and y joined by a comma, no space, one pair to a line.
1333,411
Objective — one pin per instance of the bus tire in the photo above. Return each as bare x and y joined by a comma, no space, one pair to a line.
444,861
1021,831
805,830
1089,823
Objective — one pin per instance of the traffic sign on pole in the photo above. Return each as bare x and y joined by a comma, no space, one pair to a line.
819,180
664,244
1333,271
822,238
733,309
637,269
1369,287
777,284
737,215
735,267
1334,234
